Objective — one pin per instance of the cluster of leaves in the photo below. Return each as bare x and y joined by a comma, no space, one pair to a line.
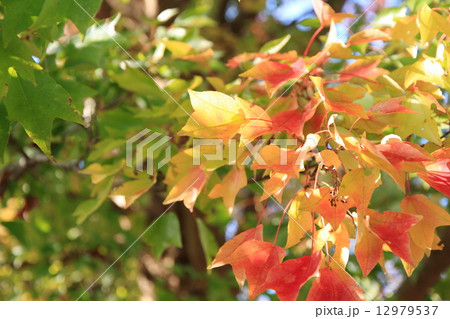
361,112
347,116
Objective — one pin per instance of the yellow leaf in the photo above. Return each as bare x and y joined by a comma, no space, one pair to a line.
177,48
216,115
128,192
423,233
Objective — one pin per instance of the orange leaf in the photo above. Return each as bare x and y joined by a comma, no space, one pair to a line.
275,185
278,159
333,209
288,277
256,259
335,285
368,249
224,253
258,122
326,14
229,187
188,188
368,35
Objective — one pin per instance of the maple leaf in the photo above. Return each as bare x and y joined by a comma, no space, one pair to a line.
337,99
258,122
275,185
341,241
36,106
333,209
300,220
185,179
335,285
229,187
423,233
224,253
216,115
293,121
275,74
388,106
438,171
398,152
420,123
326,14
203,57
359,184
256,258
430,23
368,35
127,193
406,29
330,159
280,160
290,56
369,248
370,155
392,228
288,277
365,69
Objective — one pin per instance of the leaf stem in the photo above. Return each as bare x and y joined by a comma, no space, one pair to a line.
312,40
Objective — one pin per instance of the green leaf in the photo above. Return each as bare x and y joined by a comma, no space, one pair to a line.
55,11
207,240
36,107
99,193
18,17
136,81
310,22
18,56
164,233
4,130
276,45
421,123
77,91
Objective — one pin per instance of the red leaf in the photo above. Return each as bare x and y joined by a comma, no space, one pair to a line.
256,259
397,151
293,121
438,171
275,74
362,68
392,227
335,285
389,106
288,277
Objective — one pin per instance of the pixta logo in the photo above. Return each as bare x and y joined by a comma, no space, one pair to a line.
147,146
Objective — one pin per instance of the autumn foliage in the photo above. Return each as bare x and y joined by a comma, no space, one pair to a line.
349,126
314,137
